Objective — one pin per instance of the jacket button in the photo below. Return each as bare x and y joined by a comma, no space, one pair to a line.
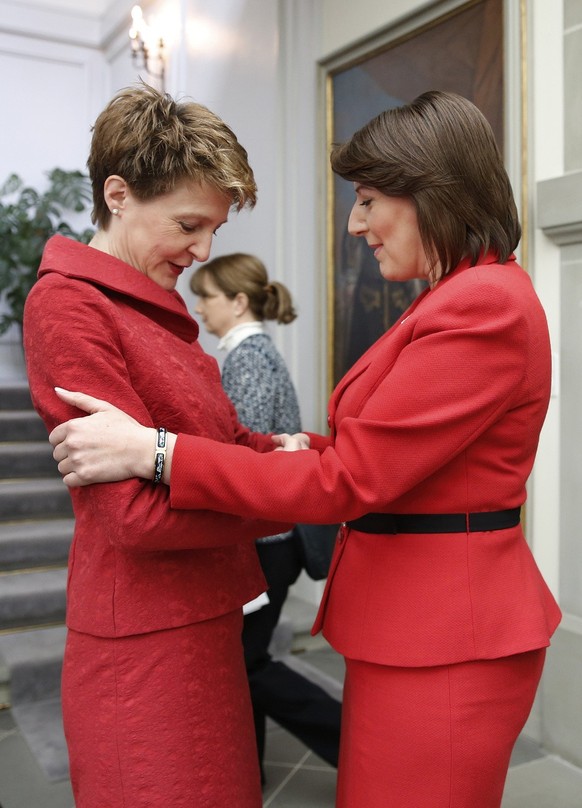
342,532
329,420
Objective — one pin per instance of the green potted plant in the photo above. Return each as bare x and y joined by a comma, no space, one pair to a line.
27,220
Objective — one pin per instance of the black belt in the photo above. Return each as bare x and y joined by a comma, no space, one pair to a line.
436,522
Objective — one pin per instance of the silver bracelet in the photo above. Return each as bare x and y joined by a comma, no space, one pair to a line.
160,455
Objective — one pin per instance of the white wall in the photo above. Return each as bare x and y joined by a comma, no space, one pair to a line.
230,65
54,80
546,159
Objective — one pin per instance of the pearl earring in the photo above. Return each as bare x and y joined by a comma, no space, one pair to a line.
115,211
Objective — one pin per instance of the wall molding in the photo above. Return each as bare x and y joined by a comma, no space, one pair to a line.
559,208
51,25
571,623
90,27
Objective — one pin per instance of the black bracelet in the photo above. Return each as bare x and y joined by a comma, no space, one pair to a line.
160,455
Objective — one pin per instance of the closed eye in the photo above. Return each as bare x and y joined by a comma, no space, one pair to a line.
192,228
187,228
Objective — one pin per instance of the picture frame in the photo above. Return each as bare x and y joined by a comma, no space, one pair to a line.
460,51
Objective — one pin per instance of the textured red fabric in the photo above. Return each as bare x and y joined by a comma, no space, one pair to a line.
438,737
441,415
161,719
95,324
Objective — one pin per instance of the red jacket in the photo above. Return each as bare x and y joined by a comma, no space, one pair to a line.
95,324
441,415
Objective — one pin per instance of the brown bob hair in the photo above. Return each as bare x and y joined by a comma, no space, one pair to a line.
440,152
154,143
240,272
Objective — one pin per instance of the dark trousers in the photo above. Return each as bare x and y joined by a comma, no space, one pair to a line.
295,703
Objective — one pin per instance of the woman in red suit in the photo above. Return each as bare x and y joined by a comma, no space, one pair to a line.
155,696
433,596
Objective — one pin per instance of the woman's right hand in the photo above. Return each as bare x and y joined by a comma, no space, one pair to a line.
105,446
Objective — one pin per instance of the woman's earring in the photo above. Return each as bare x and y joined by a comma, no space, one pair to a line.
115,211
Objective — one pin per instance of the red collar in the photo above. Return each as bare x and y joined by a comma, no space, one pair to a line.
74,260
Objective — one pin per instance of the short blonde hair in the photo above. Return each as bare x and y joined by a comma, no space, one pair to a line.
154,143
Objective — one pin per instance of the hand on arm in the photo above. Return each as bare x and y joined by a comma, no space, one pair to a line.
419,415
106,446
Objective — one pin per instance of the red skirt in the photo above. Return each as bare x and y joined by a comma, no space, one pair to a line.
162,718
433,737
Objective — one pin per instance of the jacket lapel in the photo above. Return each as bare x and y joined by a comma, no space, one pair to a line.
364,375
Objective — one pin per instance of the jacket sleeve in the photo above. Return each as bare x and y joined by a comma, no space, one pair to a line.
71,340
319,442
461,371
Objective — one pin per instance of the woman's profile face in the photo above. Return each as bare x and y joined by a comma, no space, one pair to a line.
161,237
390,226
216,310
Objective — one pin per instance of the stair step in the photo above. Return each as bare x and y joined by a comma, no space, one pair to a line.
32,664
36,528
33,499
35,544
32,598
27,459
21,425
15,396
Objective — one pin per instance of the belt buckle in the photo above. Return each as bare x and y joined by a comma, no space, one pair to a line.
341,534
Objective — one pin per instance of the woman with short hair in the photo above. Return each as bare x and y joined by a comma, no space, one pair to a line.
155,696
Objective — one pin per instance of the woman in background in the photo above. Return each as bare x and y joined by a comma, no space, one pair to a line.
235,296
433,596
155,698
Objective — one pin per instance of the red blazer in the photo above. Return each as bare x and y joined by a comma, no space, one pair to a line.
95,324
441,415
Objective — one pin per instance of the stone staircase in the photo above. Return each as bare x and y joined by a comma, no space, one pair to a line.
36,527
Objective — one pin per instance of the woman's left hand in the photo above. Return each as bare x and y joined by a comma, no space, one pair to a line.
105,446
291,443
